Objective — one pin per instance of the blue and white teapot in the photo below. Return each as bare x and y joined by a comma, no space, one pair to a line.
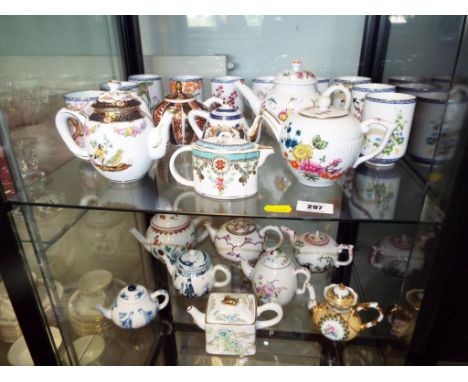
134,307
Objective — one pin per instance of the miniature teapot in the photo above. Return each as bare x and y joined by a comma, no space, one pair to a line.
193,275
120,139
170,234
293,89
337,317
223,167
181,133
134,307
223,120
317,250
396,255
230,322
320,143
238,239
274,277
403,318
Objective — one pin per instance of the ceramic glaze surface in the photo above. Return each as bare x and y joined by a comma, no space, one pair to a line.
223,168
149,89
231,321
237,239
337,318
223,87
193,274
134,307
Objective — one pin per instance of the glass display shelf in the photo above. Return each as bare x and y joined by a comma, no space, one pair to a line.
365,194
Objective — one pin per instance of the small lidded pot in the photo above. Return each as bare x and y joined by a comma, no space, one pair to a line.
193,274
231,322
135,307
317,250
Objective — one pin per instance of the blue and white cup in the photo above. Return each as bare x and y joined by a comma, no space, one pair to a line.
397,108
149,89
223,87
81,102
338,98
262,86
359,93
191,84
322,84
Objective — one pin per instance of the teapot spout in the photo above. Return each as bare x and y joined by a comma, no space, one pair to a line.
159,135
254,102
197,316
143,241
211,230
312,304
291,233
105,312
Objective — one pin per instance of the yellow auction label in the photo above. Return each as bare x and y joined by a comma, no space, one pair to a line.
284,208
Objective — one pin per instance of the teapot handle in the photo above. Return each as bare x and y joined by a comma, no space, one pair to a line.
161,292
388,127
198,221
340,88
192,115
61,122
179,178
226,271
340,248
373,257
261,324
367,306
307,275
267,228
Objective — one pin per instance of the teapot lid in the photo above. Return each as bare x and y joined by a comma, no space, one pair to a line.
231,308
225,143
193,260
275,258
317,238
402,242
116,99
172,222
340,296
179,96
296,76
132,293
241,226
324,110
226,113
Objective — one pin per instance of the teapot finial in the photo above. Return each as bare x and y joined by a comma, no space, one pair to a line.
317,236
296,65
178,87
113,85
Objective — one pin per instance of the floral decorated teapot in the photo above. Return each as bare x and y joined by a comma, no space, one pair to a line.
337,317
223,167
134,307
223,120
230,322
274,277
120,140
181,133
317,251
170,234
193,274
320,143
238,239
293,89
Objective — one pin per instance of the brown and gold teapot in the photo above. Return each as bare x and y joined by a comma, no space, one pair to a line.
337,317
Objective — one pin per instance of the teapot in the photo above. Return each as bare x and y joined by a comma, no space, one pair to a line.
293,89
134,307
403,318
238,239
223,120
317,251
170,234
181,133
337,318
120,140
193,274
223,167
230,322
274,277
320,143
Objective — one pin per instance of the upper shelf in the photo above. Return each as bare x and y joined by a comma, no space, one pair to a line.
366,194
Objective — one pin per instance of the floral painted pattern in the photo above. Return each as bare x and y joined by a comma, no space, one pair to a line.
228,341
333,327
396,140
229,99
129,130
268,290
144,93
